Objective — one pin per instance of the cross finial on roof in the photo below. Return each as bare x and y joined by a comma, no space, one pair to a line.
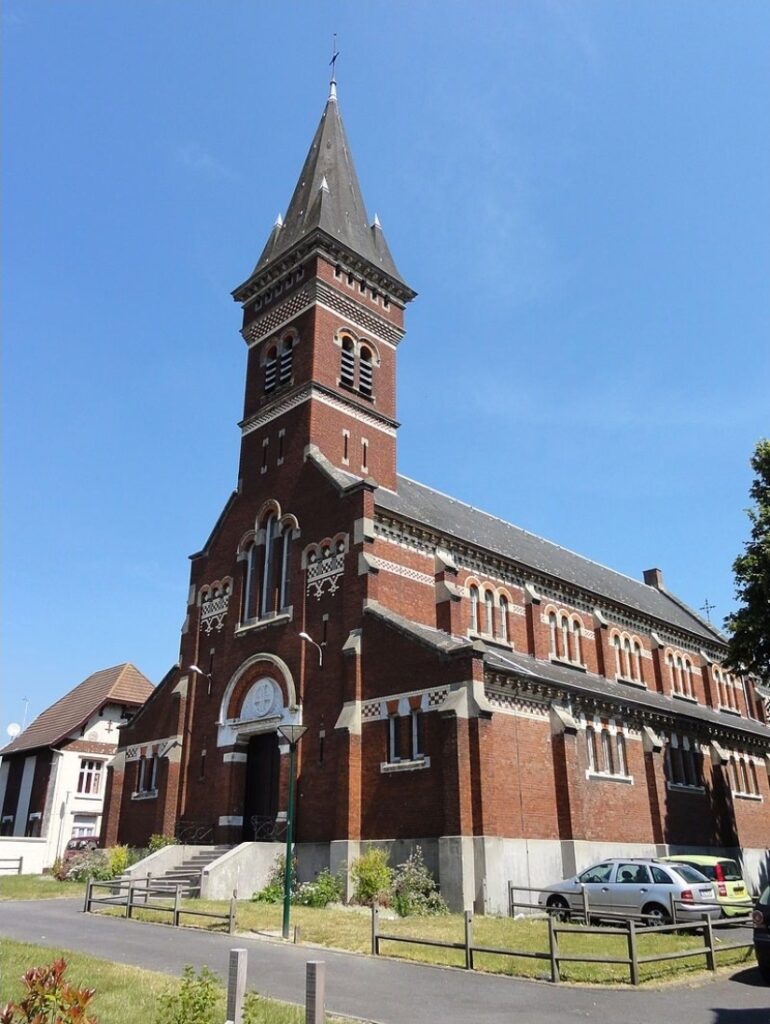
333,66
707,608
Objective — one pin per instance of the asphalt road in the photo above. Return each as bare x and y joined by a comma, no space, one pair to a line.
384,990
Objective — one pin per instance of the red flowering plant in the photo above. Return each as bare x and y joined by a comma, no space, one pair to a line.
49,999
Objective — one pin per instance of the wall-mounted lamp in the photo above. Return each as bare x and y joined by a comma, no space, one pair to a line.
319,647
199,672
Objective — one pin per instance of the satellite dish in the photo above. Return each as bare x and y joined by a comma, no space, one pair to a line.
13,730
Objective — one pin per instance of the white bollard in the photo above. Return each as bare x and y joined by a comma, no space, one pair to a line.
315,994
236,985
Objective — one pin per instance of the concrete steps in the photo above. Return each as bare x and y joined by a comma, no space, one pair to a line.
187,875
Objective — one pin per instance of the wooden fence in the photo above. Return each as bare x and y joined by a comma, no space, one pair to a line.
131,895
705,927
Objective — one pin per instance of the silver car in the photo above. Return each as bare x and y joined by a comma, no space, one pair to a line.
634,888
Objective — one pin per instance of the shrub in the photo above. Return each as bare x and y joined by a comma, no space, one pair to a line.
326,888
157,842
117,860
59,869
273,891
414,888
194,1003
372,877
94,864
49,998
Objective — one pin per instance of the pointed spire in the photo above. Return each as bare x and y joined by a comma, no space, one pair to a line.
376,222
278,222
327,199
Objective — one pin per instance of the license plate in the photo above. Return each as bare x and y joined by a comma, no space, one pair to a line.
740,888
707,893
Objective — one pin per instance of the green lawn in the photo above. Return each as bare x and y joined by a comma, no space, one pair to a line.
124,995
350,930
37,887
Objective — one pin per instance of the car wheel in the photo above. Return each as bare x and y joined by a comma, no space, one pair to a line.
764,969
559,908
654,914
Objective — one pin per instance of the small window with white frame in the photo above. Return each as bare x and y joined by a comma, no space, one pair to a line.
90,777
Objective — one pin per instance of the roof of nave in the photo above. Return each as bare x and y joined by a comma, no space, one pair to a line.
456,519
525,666
328,198
121,684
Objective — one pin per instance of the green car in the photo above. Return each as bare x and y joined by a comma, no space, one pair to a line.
732,892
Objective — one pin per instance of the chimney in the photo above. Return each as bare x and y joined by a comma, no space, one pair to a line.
654,578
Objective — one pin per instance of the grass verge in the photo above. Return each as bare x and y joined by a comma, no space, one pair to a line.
37,887
124,995
349,930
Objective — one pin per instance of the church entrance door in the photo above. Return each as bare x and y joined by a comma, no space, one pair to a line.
260,804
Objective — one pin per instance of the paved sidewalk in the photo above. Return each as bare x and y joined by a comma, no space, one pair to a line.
384,990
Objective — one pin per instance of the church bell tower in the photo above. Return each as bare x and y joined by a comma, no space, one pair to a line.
323,314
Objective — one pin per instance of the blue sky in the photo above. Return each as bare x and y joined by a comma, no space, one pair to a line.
577,190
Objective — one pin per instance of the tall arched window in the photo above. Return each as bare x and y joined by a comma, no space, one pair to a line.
268,566
552,631
284,592
489,624
754,778
250,584
504,618
627,658
688,688
287,359
475,609
271,369
564,638
616,643
637,662
576,650
365,376
347,363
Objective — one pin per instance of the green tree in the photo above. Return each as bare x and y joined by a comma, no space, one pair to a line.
749,626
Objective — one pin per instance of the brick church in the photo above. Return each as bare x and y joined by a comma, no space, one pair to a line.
516,709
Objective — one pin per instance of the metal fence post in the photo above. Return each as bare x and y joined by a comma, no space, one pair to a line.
21,864
177,907
375,937
87,903
468,940
708,939
231,919
553,947
511,903
633,962
672,900
236,984
315,992
584,892
297,935
130,899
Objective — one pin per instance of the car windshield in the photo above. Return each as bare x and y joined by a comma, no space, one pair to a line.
765,897
689,874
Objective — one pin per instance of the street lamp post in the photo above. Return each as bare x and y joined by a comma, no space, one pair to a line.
292,734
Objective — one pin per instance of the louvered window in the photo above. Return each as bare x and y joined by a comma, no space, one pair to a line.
365,373
287,358
271,369
347,363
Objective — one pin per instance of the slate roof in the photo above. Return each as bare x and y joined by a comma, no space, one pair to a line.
328,198
456,519
121,684
524,665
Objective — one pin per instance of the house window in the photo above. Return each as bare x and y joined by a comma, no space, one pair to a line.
83,825
147,774
90,777
394,739
417,737
34,823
